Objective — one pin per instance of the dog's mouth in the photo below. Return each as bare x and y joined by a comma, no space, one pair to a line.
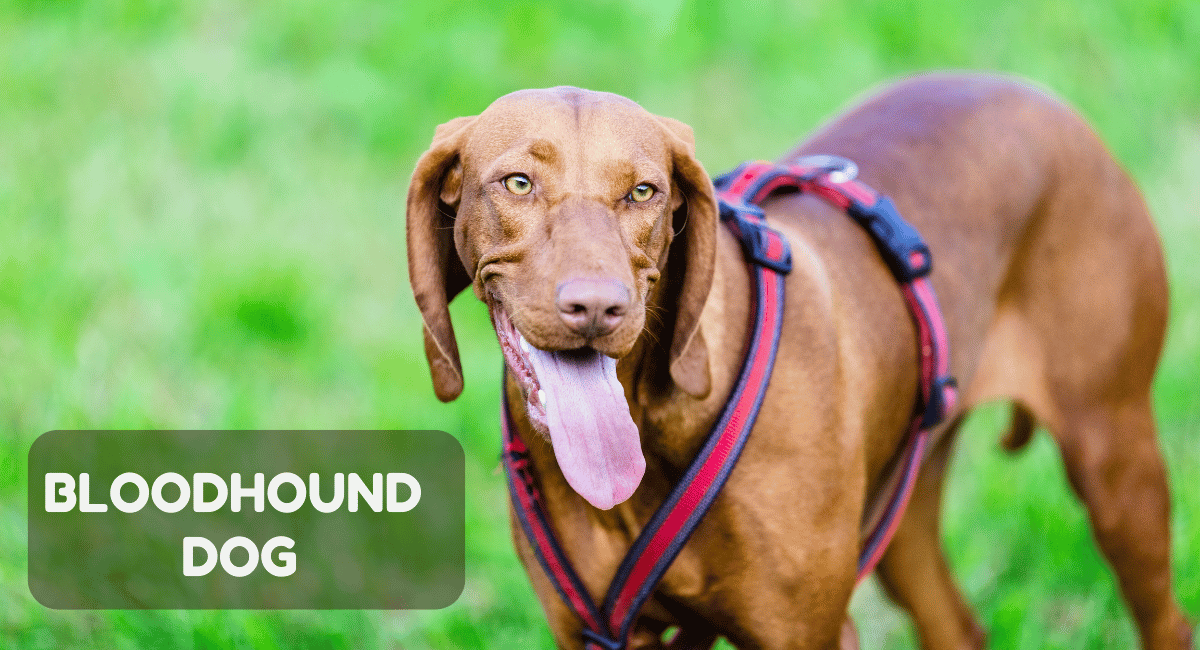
573,397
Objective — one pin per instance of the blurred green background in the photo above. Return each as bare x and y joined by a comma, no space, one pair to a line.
201,226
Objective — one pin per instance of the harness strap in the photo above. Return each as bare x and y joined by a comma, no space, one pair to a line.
607,627
907,256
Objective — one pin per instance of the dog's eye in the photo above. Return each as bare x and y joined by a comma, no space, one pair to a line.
518,184
641,193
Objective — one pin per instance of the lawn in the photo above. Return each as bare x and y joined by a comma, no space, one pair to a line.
201,226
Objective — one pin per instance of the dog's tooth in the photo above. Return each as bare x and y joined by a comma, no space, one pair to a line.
542,396
523,343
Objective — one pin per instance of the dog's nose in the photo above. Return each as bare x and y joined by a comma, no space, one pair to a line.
592,307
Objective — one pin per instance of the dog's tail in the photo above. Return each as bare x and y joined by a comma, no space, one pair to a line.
1020,430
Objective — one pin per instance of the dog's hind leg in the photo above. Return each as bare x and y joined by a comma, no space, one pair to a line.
1076,339
1114,465
914,572
1100,418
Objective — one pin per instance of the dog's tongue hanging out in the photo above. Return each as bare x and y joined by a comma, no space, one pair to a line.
595,441
574,395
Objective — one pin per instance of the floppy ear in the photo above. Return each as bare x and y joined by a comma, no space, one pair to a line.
692,254
434,269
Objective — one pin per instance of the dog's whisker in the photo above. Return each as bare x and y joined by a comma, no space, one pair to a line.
683,206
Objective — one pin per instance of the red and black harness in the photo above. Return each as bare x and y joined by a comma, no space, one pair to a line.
608,626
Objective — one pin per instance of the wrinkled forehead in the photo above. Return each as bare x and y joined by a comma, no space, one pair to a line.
570,124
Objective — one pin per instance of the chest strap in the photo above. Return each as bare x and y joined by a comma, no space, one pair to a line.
607,627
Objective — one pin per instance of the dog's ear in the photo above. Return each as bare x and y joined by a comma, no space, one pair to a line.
434,268
692,255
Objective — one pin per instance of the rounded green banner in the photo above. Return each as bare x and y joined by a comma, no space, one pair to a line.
246,519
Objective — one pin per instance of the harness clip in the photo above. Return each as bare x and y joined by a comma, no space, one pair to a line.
761,244
901,246
942,395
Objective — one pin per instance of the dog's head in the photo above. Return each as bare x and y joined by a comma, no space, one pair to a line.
560,208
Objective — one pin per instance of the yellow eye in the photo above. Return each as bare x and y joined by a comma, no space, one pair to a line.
518,184
641,193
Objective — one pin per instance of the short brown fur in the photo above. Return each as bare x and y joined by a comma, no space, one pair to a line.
1047,266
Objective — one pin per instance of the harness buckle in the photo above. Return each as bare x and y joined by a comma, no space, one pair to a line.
761,244
942,395
591,636
901,246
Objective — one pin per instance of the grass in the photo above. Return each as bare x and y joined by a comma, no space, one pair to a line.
201,226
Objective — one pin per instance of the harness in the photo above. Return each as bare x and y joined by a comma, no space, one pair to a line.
607,626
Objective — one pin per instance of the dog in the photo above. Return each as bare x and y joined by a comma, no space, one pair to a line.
591,231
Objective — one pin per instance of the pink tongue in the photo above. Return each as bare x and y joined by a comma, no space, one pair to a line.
595,440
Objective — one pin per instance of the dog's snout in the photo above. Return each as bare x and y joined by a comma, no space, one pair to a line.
592,307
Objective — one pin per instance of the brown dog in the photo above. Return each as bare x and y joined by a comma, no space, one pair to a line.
590,229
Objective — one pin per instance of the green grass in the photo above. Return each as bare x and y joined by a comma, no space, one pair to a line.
201,226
